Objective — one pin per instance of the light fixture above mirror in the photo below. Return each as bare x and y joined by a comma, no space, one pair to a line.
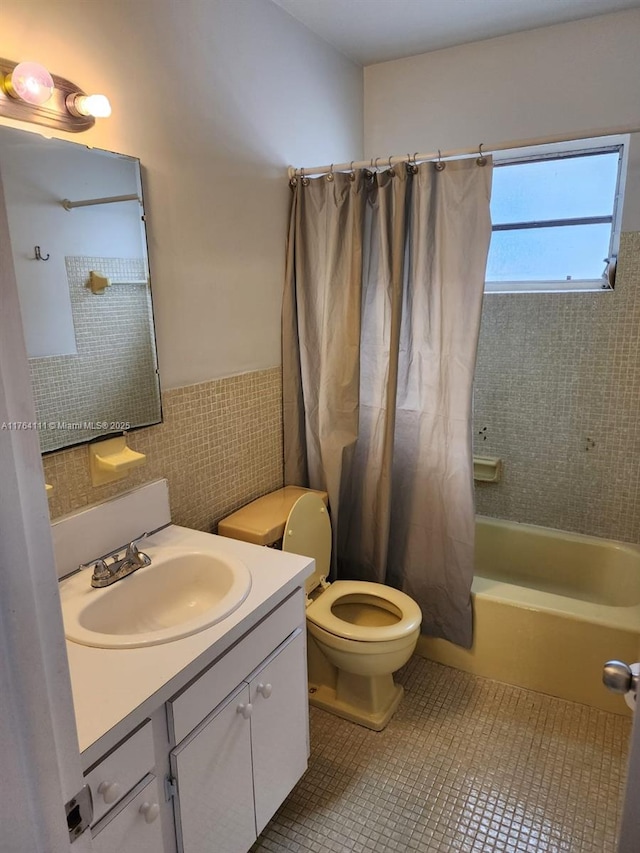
28,92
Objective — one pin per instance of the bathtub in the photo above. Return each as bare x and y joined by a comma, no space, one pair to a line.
549,609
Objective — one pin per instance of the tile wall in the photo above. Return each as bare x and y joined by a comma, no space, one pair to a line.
220,445
115,367
557,398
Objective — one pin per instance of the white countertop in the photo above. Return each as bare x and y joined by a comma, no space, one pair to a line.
113,685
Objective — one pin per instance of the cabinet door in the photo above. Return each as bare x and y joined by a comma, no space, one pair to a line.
135,827
279,726
212,767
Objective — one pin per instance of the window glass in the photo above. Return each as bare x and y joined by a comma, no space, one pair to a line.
549,254
565,188
555,211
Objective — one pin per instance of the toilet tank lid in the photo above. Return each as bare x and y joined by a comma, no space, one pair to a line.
262,521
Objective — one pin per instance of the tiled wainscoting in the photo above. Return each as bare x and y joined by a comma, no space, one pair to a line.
467,764
557,396
220,445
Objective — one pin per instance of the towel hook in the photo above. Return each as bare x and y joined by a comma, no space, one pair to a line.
38,254
440,166
481,159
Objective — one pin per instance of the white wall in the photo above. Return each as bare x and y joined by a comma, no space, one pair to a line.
37,174
216,98
569,78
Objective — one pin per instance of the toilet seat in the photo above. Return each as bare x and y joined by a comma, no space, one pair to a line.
308,532
321,614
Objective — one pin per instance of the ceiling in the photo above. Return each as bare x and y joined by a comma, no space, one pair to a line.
370,31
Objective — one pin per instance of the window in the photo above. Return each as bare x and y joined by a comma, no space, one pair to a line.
556,216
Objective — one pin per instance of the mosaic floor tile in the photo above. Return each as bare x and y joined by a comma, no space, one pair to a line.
466,765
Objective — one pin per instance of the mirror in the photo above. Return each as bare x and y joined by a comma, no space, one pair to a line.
78,241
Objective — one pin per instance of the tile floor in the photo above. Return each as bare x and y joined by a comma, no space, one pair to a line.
467,764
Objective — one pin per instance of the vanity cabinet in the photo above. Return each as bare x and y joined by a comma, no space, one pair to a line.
237,766
212,768
212,759
279,727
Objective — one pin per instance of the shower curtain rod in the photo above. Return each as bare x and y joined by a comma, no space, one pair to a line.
395,159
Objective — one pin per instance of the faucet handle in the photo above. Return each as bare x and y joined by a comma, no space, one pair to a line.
132,547
100,570
133,553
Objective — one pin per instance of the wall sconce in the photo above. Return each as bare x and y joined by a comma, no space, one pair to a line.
29,93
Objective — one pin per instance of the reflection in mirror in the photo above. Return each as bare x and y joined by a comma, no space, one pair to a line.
83,284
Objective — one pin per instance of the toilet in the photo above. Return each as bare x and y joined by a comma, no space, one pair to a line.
358,633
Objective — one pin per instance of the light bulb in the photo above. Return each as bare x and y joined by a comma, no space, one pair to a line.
30,82
97,106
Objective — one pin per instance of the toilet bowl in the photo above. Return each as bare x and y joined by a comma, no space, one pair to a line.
358,633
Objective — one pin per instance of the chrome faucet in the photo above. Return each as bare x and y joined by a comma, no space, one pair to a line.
104,573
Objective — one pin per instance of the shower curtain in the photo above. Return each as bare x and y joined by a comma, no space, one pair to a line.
381,315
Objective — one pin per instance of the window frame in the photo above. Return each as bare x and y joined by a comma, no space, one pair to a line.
555,151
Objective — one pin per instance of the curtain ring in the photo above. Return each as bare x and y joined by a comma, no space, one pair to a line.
352,173
481,160
440,166
375,165
305,181
412,167
391,169
330,175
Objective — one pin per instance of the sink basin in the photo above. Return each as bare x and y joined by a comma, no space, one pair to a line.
179,594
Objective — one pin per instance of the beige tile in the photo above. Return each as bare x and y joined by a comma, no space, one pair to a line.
467,764
114,331
220,446
557,388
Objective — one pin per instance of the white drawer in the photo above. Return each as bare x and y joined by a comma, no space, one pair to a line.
135,826
116,774
196,701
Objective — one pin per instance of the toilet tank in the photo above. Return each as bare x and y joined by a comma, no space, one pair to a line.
262,521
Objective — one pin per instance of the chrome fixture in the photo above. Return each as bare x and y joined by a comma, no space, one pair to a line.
104,573
619,677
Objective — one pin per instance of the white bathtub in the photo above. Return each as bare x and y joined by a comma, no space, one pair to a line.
549,609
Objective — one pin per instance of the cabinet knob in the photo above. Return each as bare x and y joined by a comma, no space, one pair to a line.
149,811
245,710
265,689
110,791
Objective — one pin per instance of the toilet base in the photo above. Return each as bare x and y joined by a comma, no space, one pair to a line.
375,717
